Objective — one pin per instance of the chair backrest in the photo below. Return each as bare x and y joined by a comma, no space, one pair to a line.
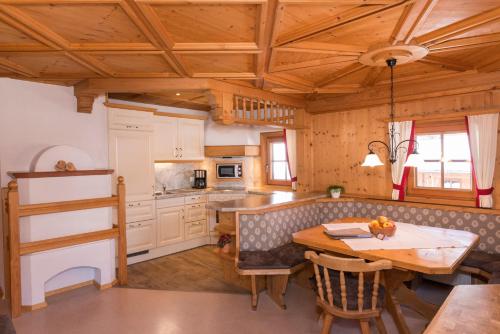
348,265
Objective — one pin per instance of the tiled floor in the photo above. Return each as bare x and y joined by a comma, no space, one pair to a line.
123,310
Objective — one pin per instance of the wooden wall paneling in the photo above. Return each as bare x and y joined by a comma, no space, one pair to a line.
340,139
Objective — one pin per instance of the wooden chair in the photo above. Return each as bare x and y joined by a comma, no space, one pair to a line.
338,278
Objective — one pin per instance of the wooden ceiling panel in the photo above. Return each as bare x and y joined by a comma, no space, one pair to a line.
48,64
144,63
234,65
209,23
450,11
490,28
10,36
373,30
319,74
415,71
87,23
285,61
297,16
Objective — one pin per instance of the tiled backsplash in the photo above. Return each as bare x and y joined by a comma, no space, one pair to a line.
178,175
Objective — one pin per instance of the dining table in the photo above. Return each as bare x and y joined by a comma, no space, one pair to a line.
406,263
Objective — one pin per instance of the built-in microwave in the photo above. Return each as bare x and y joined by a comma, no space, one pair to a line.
229,170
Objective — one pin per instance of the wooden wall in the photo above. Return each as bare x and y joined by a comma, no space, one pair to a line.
339,142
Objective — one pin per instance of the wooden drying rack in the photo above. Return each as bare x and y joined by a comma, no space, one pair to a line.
15,249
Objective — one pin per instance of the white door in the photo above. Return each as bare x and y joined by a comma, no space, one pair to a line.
170,225
130,155
166,145
191,139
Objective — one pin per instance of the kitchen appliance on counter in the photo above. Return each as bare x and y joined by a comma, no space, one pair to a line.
229,170
200,179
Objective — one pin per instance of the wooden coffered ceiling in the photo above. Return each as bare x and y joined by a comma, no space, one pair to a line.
306,47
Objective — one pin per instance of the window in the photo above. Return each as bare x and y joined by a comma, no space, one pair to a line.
447,171
275,164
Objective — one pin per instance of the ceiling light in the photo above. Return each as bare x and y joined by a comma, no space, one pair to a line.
371,159
177,94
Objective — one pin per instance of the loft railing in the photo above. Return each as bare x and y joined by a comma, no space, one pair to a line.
251,110
16,249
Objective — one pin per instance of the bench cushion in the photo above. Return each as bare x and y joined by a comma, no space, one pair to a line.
484,261
495,278
6,326
351,283
283,257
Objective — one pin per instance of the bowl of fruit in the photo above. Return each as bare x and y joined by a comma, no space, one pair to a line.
382,227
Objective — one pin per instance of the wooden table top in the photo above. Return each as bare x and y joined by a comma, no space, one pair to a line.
469,309
427,261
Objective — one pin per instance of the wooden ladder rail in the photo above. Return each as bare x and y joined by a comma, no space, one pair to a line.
16,249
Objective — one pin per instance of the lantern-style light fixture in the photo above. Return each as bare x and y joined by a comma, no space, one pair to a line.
372,159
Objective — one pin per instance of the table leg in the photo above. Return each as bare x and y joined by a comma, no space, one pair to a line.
409,298
393,280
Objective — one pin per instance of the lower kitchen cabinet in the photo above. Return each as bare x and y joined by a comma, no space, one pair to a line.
141,236
195,229
170,225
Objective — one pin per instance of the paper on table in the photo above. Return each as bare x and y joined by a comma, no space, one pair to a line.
408,236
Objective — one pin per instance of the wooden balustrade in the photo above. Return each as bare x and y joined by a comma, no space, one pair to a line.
251,110
15,249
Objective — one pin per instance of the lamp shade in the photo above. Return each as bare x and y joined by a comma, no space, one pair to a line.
414,160
372,160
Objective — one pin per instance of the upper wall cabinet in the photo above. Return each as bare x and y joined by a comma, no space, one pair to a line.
178,139
124,119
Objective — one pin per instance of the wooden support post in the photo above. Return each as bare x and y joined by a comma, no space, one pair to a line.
223,108
14,249
122,237
302,122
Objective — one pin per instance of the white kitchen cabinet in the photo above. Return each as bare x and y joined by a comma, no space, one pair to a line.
132,120
195,229
131,156
141,236
165,138
170,225
178,139
195,212
191,139
140,210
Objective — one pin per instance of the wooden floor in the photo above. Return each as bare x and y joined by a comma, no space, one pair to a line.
198,269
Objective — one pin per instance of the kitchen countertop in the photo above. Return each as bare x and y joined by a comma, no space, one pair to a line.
207,191
260,202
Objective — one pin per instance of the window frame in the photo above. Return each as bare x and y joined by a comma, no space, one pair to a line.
267,138
429,127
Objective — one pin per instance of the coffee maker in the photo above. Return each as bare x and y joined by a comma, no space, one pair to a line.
200,179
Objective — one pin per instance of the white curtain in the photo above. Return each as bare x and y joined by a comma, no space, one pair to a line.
403,131
482,130
291,154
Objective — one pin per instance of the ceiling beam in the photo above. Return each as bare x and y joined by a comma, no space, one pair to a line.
335,47
411,20
341,60
147,85
16,68
447,32
270,15
466,43
353,68
339,89
434,87
342,19
454,65
215,47
338,2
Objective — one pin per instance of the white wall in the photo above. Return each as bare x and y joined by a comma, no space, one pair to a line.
34,116
237,134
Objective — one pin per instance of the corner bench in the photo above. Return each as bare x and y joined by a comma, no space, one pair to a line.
276,264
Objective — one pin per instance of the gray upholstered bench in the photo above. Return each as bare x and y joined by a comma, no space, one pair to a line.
6,326
276,264
481,264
